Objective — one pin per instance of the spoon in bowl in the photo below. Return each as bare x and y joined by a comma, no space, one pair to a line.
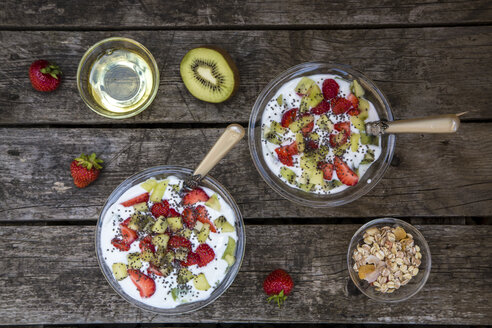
229,138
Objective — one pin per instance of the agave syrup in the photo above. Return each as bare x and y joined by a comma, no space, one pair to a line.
120,80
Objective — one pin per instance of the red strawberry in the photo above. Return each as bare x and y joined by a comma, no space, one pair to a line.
353,112
354,100
146,244
278,284
192,259
322,108
205,253
85,169
292,149
172,213
125,223
283,156
202,216
178,241
44,75
120,244
330,89
195,196
343,127
128,235
189,217
344,173
337,140
154,270
160,209
341,106
308,128
145,284
289,117
311,144
327,169
135,200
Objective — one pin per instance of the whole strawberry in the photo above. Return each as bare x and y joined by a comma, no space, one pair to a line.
277,286
44,75
85,169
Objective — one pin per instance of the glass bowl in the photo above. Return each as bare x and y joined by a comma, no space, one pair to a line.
95,52
368,180
160,172
414,285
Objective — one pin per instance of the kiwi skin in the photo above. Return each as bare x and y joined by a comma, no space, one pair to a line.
231,64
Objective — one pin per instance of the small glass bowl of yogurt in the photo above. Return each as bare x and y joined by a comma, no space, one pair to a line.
311,147
203,282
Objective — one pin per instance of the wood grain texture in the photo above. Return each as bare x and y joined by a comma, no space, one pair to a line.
50,275
422,71
219,13
432,175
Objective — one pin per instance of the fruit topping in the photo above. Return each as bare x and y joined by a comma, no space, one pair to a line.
135,200
277,285
149,184
341,106
160,240
159,191
144,284
176,242
357,89
160,226
146,244
339,139
119,271
160,209
344,173
202,216
368,157
194,196
120,244
323,107
308,128
224,225
152,269
230,252
192,259
330,88
189,217
213,202
343,127
205,253
209,74
184,275
302,122
364,270
134,261
200,282
85,169
327,169
128,235
289,117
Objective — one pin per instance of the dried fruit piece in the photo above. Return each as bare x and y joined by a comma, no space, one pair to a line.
399,233
364,270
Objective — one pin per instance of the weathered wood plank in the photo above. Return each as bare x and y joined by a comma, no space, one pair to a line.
434,175
422,71
155,14
50,275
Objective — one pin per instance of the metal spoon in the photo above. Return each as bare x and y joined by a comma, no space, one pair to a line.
229,138
448,123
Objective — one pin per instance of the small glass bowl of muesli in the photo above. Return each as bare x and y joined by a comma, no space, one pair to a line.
388,260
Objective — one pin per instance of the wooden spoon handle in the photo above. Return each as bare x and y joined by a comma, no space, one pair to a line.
231,136
448,123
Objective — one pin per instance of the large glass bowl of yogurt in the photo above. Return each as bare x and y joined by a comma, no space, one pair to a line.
167,250
307,134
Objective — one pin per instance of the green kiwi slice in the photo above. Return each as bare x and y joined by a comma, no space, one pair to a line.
209,74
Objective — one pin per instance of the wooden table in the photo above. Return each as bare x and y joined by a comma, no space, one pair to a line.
429,57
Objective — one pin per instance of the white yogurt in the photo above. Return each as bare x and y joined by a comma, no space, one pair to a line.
274,112
214,271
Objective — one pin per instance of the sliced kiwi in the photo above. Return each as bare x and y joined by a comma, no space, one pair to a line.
209,74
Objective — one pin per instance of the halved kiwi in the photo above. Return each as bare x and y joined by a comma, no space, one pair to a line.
209,74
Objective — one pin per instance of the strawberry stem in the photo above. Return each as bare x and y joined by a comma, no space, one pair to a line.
89,161
279,298
52,70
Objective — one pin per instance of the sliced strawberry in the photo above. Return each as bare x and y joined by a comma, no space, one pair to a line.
337,140
125,223
128,235
120,244
283,156
292,149
327,169
145,284
354,100
146,244
178,241
323,107
344,173
343,127
189,217
353,112
154,270
160,209
172,213
205,253
341,106
289,117
330,89
139,199
195,196
311,144
308,128
202,216
192,259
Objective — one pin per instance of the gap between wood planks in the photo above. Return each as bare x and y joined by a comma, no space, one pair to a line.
190,125
290,221
240,27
